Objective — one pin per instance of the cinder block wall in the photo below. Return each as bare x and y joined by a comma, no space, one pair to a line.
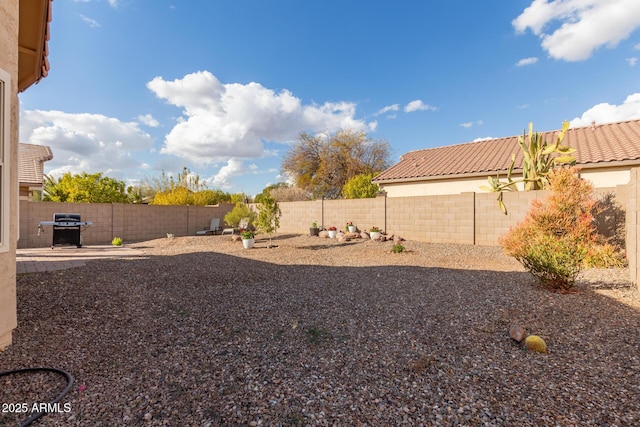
130,222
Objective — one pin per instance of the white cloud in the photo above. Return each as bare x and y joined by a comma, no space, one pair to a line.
418,105
526,61
84,142
223,121
234,167
394,107
637,46
582,25
91,22
607,113
148,120
468,125
632,61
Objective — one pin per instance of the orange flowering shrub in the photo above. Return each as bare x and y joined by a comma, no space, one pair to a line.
558,233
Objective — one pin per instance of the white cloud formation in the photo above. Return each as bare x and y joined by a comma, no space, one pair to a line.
84,142
526,61
632,61
224,121
583,25
234,167
607,113
149,120
418,105
91,22
468,125
394,107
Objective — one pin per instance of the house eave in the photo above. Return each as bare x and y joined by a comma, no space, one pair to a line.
33,36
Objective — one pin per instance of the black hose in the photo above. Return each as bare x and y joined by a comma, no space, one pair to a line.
65,374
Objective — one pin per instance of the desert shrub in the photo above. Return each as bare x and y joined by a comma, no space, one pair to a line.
239,212
559,233
604,255
397,248
117,241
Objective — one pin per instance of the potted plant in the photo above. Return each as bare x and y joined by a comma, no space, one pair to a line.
350,227
375,233
314,230
332,232
248,239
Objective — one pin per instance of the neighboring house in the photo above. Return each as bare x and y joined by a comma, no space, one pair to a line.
31,158
604,152
24,32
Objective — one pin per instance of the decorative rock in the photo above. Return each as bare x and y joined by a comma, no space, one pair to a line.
398,239
235,237
341,237
364,235
517,333
323,234
535,343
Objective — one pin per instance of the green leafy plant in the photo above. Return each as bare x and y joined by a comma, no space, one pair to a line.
332,228
314,224
375,229
117,241
239,212
247,234
555,238
539,160
269,214
397,248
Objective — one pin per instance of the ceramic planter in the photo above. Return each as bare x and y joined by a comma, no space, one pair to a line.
248,243
352,229
332,234
314,231
375,235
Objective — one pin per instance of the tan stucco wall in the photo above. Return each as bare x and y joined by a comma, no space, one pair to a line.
9,63
600,177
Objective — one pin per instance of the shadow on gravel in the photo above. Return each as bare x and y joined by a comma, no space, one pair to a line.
212,339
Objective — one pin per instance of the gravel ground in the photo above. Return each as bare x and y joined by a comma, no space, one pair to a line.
200,332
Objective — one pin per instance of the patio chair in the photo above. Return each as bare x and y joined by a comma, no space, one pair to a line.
214,227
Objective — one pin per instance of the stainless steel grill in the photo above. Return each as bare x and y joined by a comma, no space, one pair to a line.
66,229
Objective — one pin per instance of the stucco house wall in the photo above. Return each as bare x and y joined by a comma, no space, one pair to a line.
608,177
9,63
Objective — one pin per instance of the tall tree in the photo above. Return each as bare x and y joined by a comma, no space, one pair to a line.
85,188
322,166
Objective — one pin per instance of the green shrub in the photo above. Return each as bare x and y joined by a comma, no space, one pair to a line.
558,237
117,241
239,212
397,248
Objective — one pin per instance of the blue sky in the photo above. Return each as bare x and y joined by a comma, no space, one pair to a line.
225,87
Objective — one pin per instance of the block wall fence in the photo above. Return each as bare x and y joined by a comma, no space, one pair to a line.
467,218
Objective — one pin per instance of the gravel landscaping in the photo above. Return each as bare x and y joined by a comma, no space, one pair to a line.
201,332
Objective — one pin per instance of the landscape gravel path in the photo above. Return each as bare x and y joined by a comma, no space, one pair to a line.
197,331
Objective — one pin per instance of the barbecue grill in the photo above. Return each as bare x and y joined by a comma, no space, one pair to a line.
66,229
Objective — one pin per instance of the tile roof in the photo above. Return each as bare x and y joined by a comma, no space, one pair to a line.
31,160
596,145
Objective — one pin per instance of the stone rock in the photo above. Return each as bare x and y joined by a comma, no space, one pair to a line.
517,333
364,235
342,237
323,234
235,237
398,239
